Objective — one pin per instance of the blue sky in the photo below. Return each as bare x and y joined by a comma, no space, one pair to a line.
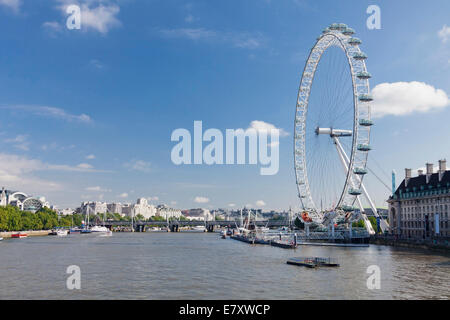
88,114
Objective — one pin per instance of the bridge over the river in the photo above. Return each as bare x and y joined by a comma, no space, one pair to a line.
175,225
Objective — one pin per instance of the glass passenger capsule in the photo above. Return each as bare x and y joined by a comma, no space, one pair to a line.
354,192
348,31
359,56
365,122
348,208
365,97
364,75
364,147
360,171
354,41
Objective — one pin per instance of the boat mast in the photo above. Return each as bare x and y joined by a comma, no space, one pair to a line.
241,220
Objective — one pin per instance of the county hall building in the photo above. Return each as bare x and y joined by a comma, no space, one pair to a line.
419,208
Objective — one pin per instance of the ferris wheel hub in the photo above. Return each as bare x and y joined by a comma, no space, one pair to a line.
334,132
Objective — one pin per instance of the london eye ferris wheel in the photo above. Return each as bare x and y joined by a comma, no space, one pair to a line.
332,125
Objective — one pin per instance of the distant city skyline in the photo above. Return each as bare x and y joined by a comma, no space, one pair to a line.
88,114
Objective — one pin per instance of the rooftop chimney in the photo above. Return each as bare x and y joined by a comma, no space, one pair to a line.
429,171
407,176
420,172
442,168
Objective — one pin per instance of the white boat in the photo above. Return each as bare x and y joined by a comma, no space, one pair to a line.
199,228
99,229
62,232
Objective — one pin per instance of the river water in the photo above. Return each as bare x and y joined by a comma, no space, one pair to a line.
203,266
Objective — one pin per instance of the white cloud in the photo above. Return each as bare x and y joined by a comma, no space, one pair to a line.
97,189
188,33
84,166
123,195
97,15
138,165
231,205
19,142
16,172
153,198
239,40
403,98
14,5
261,126
201,200
444,33
51,112
260,203
90,156
52,27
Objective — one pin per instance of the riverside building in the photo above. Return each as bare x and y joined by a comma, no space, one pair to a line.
419,208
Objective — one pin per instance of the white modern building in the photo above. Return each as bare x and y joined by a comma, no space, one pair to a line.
167,212
22,200
66,212
143,208
199,214
93,207
114,207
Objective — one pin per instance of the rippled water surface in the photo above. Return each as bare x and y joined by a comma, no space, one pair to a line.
202,266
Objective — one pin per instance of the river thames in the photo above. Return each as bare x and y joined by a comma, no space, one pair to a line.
203,266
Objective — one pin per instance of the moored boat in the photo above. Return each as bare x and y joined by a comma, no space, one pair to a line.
19,235
99,229
62,232
283,244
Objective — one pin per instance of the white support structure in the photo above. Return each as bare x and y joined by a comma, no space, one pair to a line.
383,223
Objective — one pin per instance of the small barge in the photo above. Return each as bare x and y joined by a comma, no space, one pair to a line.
313,262
283,244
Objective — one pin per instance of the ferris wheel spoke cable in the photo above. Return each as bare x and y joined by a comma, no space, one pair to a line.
376,176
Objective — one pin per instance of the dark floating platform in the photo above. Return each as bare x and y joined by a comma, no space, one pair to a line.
313,262
283,244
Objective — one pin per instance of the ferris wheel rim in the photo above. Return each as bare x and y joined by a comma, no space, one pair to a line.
356,62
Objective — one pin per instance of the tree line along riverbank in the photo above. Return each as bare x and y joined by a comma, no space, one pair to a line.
14,219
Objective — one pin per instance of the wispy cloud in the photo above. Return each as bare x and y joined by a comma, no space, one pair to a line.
97,189
13,5
138,165
200,199
19,142
244,40
50,112
52,27
444,34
